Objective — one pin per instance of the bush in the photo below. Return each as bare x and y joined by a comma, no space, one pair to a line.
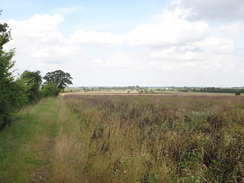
49,90
238,93
33,81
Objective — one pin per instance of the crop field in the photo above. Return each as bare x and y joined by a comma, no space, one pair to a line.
161,138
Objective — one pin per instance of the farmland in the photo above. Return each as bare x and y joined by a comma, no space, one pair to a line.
126,138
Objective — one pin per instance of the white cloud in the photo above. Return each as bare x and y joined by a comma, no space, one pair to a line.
40,44
208,54
121,60
38,23
216,45
39,28
226,10
94,37
234,30
171,31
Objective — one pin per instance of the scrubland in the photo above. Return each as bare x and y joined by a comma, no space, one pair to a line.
159,138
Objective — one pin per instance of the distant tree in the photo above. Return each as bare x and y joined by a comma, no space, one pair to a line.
59,77
238,93
33,81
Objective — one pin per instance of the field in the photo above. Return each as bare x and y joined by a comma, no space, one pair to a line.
126,138
169,138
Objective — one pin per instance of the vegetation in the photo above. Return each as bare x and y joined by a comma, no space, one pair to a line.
26,89
157,90
160,138
15,93
33,81
150,139
25,145
49,90
60,78
221,90
7,96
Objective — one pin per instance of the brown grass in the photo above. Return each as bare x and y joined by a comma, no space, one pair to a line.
171,138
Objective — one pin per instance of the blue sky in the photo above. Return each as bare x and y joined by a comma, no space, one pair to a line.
103,15
130,42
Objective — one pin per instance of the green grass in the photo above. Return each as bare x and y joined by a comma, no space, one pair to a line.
20,143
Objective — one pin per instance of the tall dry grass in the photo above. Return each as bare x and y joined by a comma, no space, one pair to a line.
155,139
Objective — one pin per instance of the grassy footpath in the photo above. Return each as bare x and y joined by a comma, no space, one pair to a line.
29,145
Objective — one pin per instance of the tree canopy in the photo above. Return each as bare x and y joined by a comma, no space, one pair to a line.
5,34
60,78
7,96
33,81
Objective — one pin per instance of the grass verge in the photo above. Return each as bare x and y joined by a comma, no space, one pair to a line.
22,143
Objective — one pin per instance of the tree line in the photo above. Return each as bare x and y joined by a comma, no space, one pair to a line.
220,90
28,87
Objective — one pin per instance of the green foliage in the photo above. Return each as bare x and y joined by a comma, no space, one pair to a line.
33,81
238,93
19,90
13,94
49,90
5,35
7,96
220,90
59,77
21,145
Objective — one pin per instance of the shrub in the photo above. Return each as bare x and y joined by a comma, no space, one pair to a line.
49,90
238,93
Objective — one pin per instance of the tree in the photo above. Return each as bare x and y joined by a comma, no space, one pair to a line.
5,34
60,78
49,90
33,81
238,93
8,99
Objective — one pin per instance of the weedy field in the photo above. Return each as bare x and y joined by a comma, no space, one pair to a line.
153,139
126,138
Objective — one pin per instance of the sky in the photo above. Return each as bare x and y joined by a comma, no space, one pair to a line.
195,43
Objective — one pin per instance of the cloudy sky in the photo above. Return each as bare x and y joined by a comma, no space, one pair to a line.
130,42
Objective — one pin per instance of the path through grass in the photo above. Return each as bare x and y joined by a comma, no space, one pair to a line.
29,145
